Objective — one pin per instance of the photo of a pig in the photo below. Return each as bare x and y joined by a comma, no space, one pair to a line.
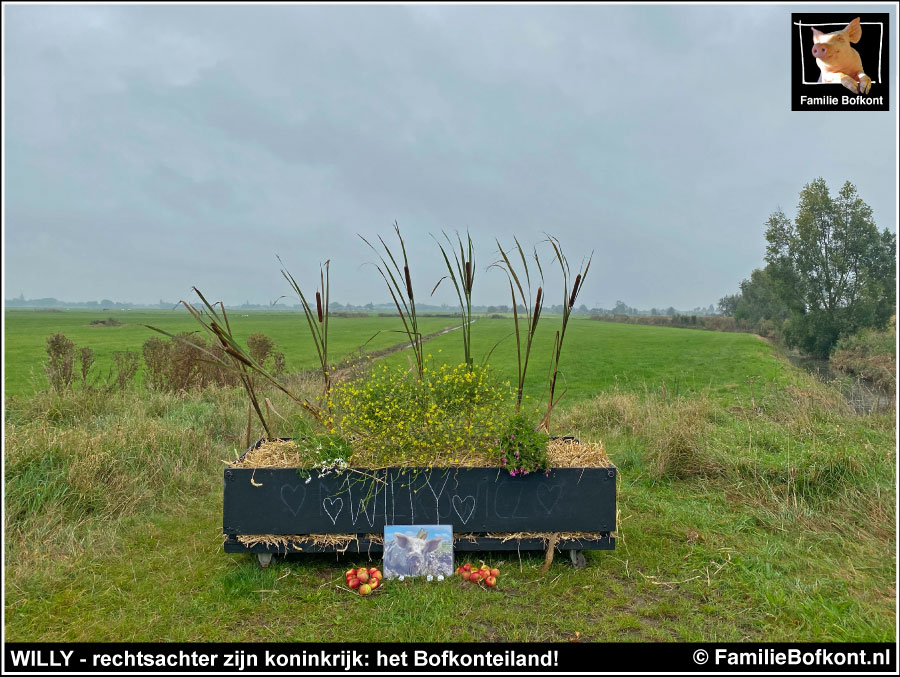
408,556
838,62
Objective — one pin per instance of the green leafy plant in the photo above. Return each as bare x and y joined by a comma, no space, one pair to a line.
532,309
462,273
523,448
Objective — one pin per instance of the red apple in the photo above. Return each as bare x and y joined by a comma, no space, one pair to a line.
353,583
475,576
459,570
350,573
495,572
467,566
490,581
372,570
363,576
466,575
374,582
365,589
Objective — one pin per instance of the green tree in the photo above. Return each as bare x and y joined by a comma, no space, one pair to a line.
759,299
831,267
728,304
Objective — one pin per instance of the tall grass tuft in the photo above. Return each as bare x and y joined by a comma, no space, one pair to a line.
532,309
317,319
399,284
570,295
462,274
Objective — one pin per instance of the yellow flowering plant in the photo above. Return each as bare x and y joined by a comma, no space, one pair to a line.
448,417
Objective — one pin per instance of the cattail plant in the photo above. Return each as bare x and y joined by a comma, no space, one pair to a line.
318,319
532,309
462,274
570,295
238,360
399,284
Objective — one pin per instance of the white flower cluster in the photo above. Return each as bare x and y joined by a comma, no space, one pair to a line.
334,465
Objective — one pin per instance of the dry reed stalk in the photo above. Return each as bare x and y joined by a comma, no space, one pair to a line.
532,311
569,298
317,320
462,274
406,307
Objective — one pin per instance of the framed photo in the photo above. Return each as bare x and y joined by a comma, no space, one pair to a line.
418,550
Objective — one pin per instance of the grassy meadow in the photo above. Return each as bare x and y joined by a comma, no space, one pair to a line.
754,504
27,330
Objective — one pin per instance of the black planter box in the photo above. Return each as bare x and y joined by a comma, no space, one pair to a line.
476,501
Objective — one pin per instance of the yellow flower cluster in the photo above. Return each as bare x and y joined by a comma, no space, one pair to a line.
395,418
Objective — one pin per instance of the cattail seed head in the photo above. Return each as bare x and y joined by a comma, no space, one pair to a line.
409,291
574,290
236,355
469,279
537,309
319,307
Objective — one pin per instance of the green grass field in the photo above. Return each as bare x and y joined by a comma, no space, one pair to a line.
600,356
753,505
27,331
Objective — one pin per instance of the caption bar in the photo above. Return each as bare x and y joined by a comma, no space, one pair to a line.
20,658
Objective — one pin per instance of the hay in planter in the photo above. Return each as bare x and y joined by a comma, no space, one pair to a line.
270,454
341,542
561,453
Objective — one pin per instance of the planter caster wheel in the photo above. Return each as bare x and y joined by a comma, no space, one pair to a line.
578,560
264,558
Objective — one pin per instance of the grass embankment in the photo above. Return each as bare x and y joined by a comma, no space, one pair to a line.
871,355
753,505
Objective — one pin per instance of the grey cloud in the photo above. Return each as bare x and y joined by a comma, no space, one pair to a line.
187,142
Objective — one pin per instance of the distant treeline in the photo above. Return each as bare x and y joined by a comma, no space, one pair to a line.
711,322
338,309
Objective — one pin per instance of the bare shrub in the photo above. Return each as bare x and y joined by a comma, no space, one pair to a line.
260,347
125,366
60,366
180,364
157,358
278,364
85,361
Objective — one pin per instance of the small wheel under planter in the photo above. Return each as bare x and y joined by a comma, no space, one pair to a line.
264,558
578,560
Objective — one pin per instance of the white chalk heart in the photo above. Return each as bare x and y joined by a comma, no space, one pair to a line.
329,504
468,507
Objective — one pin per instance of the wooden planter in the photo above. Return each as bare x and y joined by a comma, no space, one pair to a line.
476,501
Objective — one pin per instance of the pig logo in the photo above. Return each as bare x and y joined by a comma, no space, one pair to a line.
838,62
419,555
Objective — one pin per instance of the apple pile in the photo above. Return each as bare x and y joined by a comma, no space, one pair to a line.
364,580
483,574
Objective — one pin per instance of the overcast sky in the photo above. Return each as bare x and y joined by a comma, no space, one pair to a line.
152,148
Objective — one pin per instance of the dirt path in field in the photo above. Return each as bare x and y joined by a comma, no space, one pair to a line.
348,367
